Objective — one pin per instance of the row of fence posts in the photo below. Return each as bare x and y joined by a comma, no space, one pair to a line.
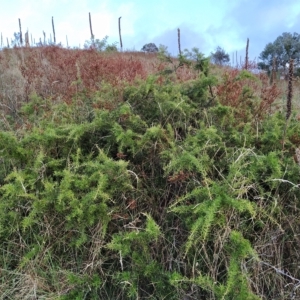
27,44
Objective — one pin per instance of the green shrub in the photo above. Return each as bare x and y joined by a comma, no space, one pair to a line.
161,196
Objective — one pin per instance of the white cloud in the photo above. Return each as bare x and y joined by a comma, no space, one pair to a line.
205,24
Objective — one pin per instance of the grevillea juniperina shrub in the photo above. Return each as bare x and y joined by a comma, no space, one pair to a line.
155,193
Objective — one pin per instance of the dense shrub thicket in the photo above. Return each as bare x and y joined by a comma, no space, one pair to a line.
170,191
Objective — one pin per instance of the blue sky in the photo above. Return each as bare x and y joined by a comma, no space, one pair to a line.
203,24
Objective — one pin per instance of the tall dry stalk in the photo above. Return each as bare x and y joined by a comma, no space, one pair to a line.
290,90
21,38
120,36
273,77
54,38
1,40
246,58
179,45
288,100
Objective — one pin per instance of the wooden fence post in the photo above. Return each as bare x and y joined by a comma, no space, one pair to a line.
21,38
91,29
120,36
246,58
54,38
179,45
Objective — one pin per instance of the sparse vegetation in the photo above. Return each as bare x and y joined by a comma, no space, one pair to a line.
100,45
120,180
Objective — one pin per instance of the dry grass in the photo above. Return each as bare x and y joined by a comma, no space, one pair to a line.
58,74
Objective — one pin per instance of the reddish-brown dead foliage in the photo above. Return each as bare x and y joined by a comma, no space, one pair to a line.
57,73
60,73
244,93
